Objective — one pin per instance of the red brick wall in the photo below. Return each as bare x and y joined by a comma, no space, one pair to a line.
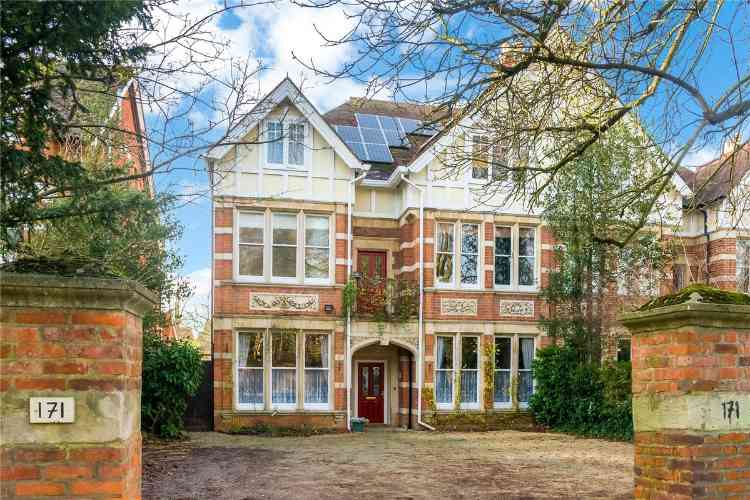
93,355
704,351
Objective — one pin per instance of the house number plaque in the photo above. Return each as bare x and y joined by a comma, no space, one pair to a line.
52,410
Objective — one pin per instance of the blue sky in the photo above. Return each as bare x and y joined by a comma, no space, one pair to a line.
270,33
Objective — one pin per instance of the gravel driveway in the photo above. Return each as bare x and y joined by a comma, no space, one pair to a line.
389,464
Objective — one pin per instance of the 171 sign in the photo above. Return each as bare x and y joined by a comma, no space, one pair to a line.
52,410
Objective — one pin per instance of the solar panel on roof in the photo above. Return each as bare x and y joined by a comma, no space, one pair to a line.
409,125
395,138
359,150
388,123
364,120
379,153
373,135
349,134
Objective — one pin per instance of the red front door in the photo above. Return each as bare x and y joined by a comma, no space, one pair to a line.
371,402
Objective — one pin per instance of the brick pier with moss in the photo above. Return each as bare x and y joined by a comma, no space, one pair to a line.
691,395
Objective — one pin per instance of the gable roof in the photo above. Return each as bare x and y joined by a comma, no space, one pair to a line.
344,115
716,179
286,90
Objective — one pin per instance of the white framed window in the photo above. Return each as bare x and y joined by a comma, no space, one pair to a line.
275,143
465,250
457,361
317,248
284,369
250,369
251,244
287,144
516,264
526,350
503,349
469,398
743,265
296,144
316,355
444,374
503,256
480,157
284,248
527,257
470,255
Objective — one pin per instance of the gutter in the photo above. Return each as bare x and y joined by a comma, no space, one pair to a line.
348,311
420,342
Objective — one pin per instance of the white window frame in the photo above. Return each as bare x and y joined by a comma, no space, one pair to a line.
455,372
488,160
515,242
239,245
509,370
502,286
455,282
459,353
272,245
452,370
738,267
236,379
525,404
491,159
268,277
327,354
316,281
285,141
271,368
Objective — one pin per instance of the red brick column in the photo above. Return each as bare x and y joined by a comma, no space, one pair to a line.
691,401
79,338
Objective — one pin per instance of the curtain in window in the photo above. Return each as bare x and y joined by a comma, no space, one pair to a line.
502,370
284,386
316,369
275,146
250,368
469,369
444,371
525,376
468,386
284,371
296,144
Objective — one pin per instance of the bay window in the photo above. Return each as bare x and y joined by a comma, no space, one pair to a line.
296,250
502,372
465,251
270,360
743,266
283,369
250,370
515,257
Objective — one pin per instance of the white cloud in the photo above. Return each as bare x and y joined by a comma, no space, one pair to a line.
198,304
701,156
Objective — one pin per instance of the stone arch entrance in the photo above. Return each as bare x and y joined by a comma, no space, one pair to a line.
381,375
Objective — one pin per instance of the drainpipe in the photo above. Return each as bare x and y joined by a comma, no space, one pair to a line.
348,363
411,383
420,342
708,245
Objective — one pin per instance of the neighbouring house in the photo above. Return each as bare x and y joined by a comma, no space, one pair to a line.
313,203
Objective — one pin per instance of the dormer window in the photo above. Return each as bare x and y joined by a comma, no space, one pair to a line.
286,145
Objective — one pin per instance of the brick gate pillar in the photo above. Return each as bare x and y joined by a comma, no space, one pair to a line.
691,400
77,341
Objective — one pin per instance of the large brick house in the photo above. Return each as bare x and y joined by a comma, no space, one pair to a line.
313,201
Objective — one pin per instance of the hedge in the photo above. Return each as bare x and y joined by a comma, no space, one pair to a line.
587,399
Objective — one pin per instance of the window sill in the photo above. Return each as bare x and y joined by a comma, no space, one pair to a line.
502,406
469,406
286,166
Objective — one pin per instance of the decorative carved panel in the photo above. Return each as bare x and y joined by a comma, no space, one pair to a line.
520,308
284,302
458,307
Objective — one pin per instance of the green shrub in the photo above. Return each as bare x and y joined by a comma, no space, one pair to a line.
172,372
582,398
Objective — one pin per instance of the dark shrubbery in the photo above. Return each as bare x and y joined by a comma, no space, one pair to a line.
172,372
582,398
